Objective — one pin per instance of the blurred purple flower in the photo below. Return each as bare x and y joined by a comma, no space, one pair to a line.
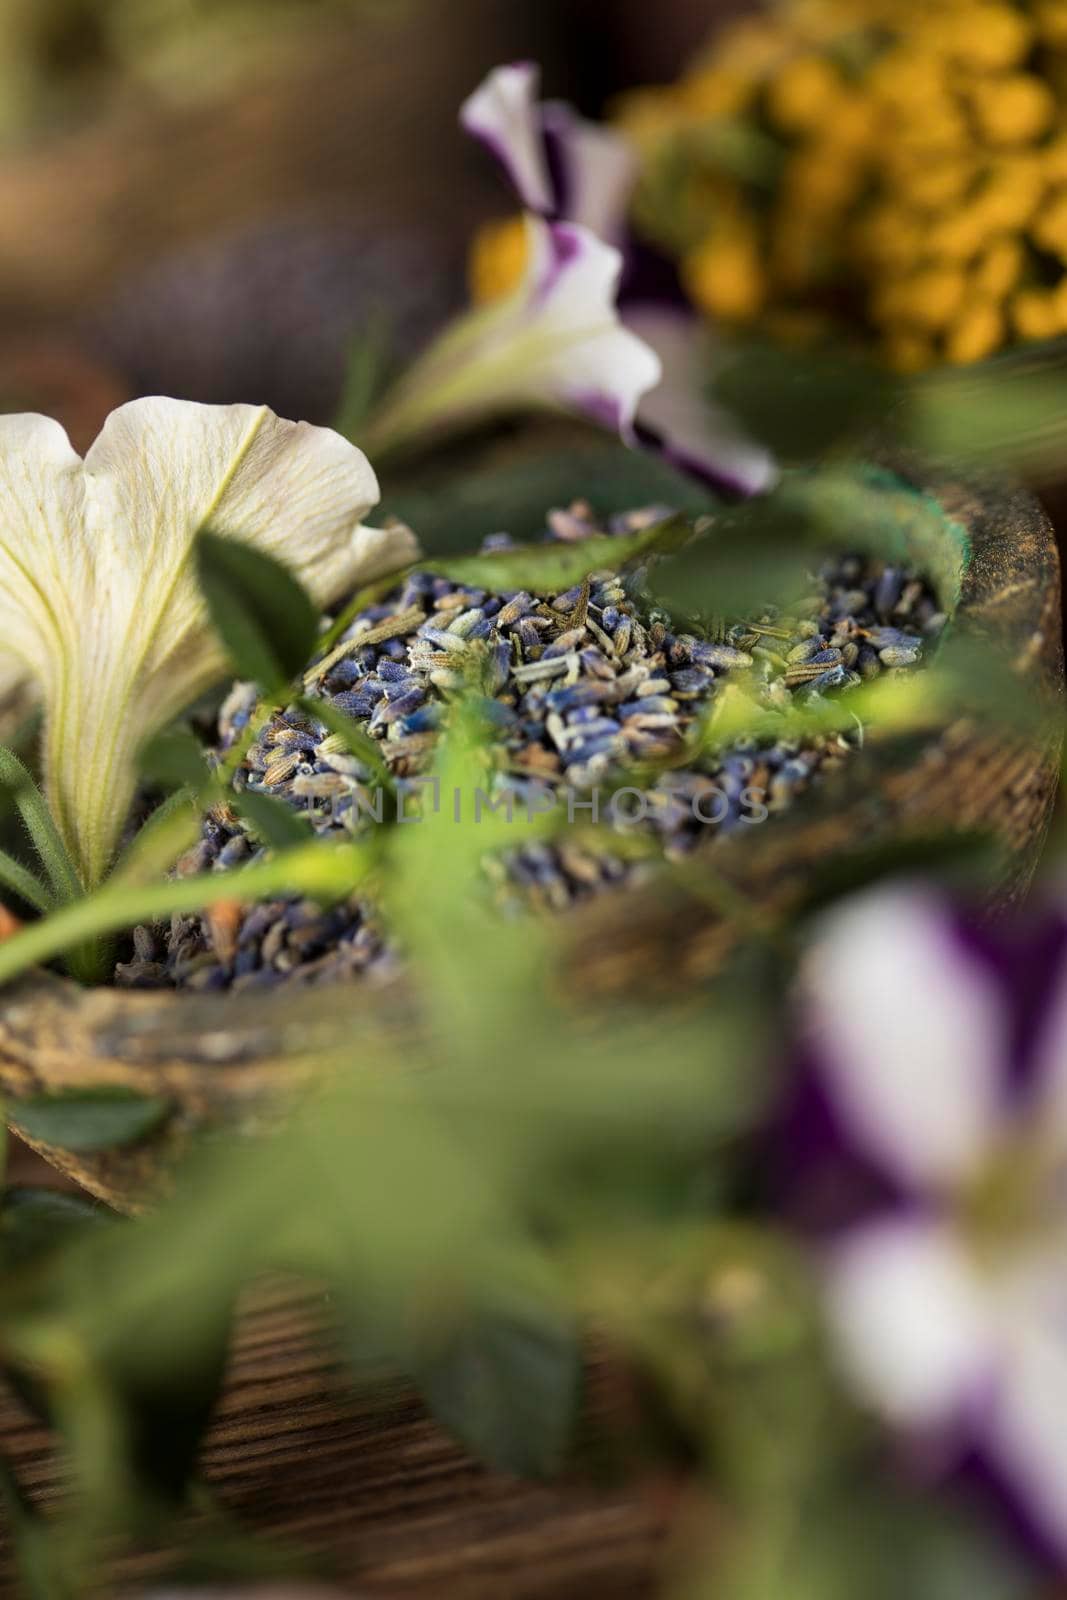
566,169
939,1100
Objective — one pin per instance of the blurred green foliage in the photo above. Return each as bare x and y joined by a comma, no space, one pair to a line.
57,57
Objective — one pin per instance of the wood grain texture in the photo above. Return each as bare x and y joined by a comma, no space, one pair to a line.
375,1489
228,1059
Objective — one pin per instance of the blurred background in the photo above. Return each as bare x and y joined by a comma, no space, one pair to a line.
204,199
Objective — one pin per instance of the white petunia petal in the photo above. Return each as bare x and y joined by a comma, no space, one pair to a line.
1028,1423
503,113
101,603
596,170
584,356
555,344
912,1323
910,1035
692,432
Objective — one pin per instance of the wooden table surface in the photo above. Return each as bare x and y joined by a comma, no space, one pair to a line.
371,1483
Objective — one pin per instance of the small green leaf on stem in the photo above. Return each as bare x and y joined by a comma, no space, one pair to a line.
174,758
358,742
506,1381
264,617
33,809
272,821
552,568
103,1118
24,883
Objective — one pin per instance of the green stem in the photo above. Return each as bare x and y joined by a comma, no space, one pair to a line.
359,602
154,848
358,741
317,869
21,881
175,824
484,366
34,812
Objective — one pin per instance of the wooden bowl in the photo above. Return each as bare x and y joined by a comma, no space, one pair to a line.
227,1060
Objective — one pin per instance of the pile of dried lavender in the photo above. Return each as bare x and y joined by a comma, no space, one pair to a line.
582,688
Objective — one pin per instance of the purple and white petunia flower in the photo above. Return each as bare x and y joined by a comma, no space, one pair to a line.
564,168
932,1145
556,343
679,419
561,166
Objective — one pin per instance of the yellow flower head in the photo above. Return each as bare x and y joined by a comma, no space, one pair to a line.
917,199
498,259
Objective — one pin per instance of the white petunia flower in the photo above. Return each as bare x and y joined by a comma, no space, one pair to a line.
556,343
99,602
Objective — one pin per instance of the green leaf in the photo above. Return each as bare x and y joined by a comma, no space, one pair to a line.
763,551
33,809
1007,412
366,375
43,1572
174,759
166,1406
358,742
275,823
453,509
24,883
264,617
752,559
173,826
317,868
553,568
804,403
83,1120
34,1222
507,1382
369,595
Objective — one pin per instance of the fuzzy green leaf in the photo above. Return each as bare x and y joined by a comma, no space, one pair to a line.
553,568
265,618
358,742
19,880
317,868
175,759
33,809
272,821
104,1118
507,1382
453,508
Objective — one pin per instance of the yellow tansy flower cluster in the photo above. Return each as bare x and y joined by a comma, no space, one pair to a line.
895,169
